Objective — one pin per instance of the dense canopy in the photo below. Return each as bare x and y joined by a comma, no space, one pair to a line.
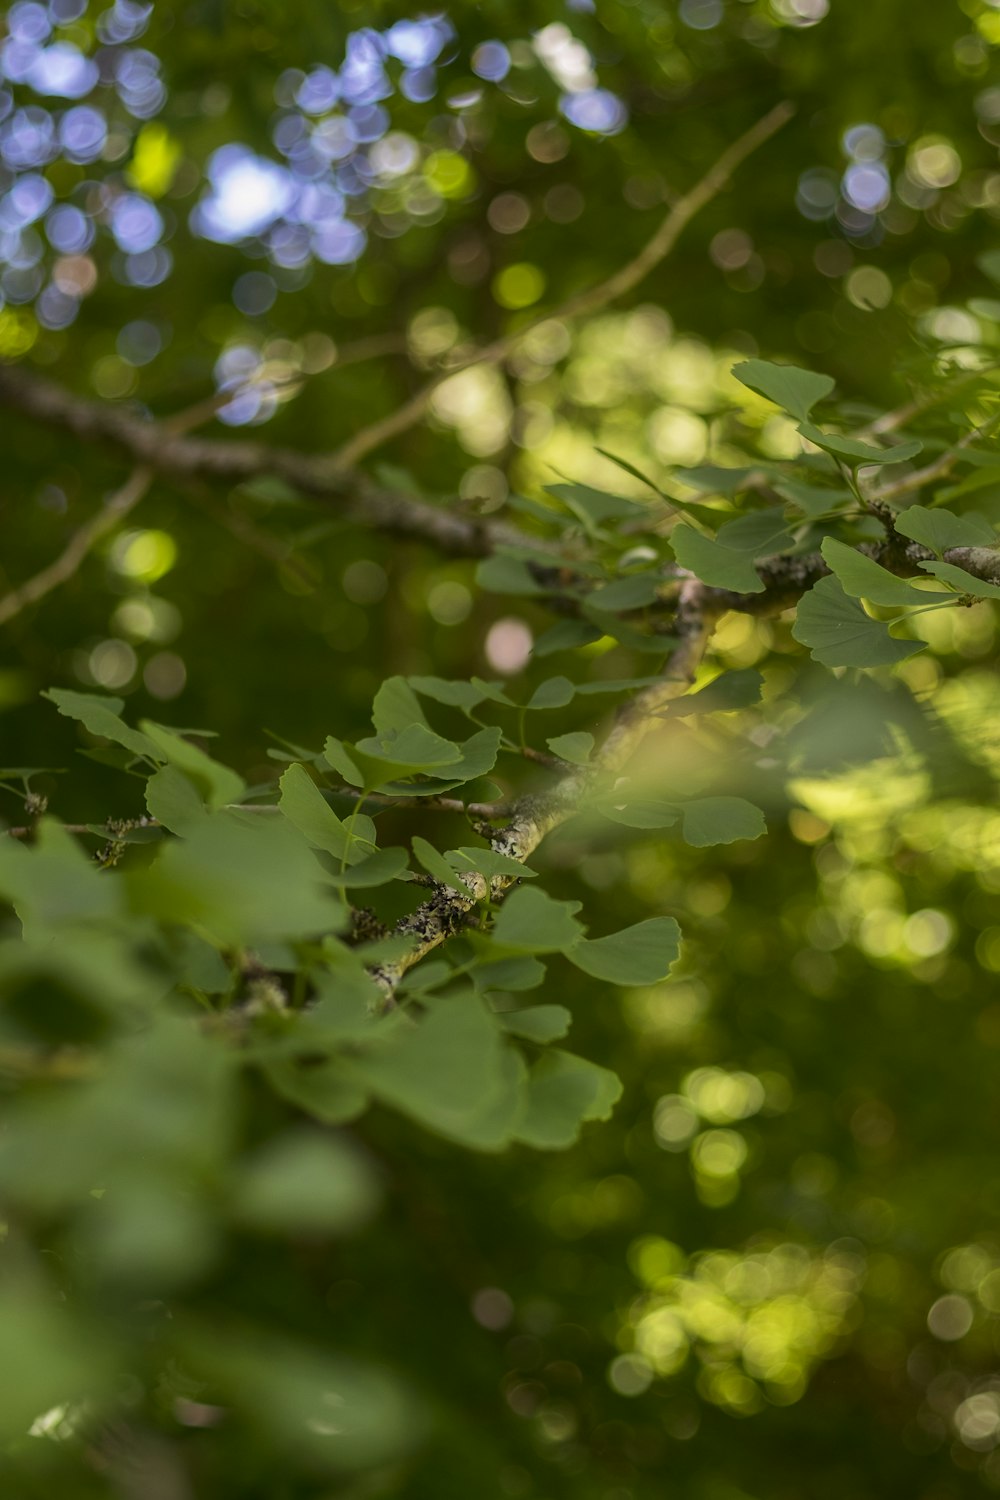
499,849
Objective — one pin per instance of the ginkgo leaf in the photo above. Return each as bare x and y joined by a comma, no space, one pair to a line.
100,716
968,583
563,1093
857,452
940,529
641,954
575,747
720,820
539,1023
719,566
534,922
863,578
795,391
840,634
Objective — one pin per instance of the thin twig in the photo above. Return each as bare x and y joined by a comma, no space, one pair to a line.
114,510
609,290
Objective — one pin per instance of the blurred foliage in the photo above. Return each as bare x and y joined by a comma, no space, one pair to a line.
775,1270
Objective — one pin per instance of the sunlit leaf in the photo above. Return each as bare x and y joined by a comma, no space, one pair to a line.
795,391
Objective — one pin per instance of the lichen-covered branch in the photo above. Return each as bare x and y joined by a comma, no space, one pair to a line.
535,816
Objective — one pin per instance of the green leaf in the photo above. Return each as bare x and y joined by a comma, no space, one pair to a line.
633,592
217,783
303,1182
413,748
100,716
376,869
641,954
989,262
522,973
321,1089
305,807
840,634
761,533
534,922
575,747
563,1092
814,500
476,757
334,1413
440,1070
591,506
641,812
795,391
489,863
337,755
240,883
565,636
539,1023
47,1357
724,694
968,583
940,529
720,820
173,800
858,453
463,695
555,692
491,1127
437,866
396,707
863,578
717,565
503,574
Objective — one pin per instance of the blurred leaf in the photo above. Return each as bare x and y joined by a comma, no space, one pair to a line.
720,820
305,1182
626,593
563,1092
332,1412
48,1357
724,694
539,1023
441,1070
717,565
217,783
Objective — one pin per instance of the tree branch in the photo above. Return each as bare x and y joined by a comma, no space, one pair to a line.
533,817
615,286
160,446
